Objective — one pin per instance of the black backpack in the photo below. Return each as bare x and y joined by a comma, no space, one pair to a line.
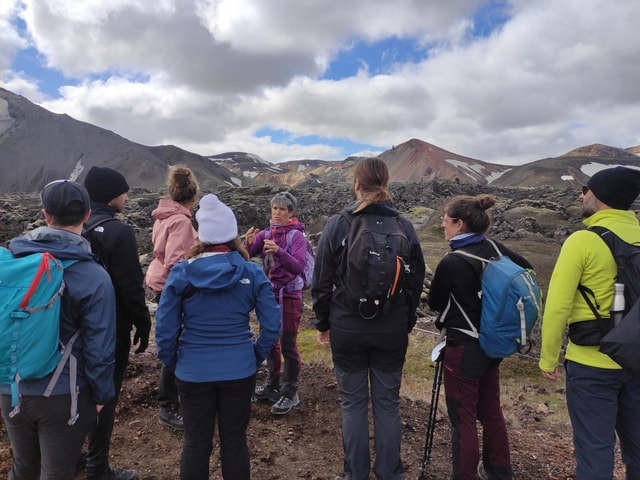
377,256
621,343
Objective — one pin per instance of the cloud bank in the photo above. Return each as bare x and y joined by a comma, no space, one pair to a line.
501,81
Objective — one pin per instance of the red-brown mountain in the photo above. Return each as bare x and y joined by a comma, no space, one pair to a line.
418,161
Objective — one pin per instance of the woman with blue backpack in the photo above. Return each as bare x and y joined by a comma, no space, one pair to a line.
471,378
283,249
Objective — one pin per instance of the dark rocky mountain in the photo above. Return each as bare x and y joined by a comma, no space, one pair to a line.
37,146
571,169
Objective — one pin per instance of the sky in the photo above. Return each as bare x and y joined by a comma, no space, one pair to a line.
506,82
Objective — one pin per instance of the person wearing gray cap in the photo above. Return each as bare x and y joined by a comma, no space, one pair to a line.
45,442
115,244
603,398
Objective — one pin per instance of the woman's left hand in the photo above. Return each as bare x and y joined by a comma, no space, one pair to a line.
270,247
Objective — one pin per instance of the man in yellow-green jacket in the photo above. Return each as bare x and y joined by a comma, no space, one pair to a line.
602,398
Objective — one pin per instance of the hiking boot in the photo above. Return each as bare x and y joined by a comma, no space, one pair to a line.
267,392
284,405
115,474
171,418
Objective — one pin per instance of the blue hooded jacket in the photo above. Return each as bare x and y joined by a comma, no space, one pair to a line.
202,322
88,304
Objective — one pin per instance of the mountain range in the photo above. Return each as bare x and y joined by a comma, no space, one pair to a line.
37,146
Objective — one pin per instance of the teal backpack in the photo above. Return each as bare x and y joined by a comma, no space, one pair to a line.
30,348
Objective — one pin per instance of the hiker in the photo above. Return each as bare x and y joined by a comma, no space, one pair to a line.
283,264
42,440
603,399
203,334
368,353
471,379
115,244
173,234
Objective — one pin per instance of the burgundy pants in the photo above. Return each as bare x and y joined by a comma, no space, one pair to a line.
472,389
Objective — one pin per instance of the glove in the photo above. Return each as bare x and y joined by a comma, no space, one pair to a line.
141,337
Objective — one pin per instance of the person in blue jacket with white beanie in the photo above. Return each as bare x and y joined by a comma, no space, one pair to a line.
203,334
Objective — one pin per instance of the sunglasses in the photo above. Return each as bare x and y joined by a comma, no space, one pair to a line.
585,189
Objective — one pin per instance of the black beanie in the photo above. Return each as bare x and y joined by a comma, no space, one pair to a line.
617,187
104,184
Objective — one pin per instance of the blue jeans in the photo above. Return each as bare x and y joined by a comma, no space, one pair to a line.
602,402
43,444
230,401
385,406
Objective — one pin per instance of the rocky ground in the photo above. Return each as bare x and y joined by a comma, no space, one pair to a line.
306,444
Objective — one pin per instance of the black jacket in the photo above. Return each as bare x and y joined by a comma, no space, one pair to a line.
114,242
460,276
327,290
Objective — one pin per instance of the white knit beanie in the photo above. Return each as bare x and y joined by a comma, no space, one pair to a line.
216,222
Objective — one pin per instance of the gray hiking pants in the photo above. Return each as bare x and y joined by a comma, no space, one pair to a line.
385,405
42,441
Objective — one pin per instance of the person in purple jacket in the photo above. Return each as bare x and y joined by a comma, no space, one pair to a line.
204,336
283,261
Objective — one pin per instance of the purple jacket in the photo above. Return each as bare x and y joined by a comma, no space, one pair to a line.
288,262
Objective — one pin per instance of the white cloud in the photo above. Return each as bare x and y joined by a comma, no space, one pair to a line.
207,74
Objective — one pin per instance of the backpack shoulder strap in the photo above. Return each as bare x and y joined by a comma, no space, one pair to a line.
470,255
289,236
495,247
609,238
348,216
89,226
484,261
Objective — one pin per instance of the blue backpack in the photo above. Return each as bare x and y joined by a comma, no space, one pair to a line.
511,305
303,281
30,348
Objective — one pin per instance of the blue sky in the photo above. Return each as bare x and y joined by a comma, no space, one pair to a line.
501,81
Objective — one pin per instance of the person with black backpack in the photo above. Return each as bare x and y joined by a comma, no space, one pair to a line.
367,282
114,242
471,378
603,398
48,426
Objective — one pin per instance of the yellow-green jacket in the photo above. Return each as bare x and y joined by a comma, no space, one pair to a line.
584,259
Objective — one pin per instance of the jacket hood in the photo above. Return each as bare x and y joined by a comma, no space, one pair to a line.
167,207
60,243
215,271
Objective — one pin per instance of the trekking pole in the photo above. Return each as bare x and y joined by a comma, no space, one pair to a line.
438,356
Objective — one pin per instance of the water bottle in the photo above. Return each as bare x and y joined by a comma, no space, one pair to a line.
617,307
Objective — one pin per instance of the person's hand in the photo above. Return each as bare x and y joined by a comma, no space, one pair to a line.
270,247
141,337
324,338
250,236
550,375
